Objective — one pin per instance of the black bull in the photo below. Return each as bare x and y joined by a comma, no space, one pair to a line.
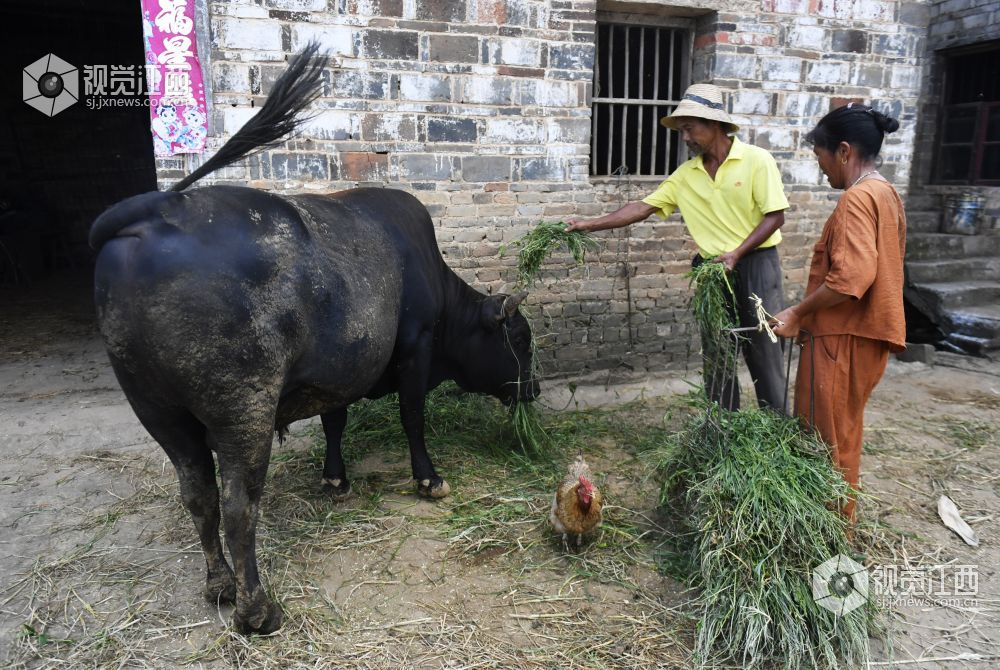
230,312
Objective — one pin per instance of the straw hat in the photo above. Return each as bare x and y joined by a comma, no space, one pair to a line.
703,101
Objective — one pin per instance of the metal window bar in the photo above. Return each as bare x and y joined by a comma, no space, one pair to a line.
617,121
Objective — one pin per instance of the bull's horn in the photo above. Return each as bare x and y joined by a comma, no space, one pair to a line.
511,302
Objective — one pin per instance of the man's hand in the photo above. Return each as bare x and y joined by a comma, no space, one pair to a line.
786,323
728,259
576,224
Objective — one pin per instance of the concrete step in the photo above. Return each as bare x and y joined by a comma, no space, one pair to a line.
975,268
958,294
923,221
975,329
932,246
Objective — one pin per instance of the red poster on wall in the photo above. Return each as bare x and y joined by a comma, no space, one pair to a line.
178,114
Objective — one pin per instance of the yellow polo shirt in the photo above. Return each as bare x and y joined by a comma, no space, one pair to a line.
720,213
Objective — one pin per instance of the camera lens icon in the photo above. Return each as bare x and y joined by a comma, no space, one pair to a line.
840,585
50,84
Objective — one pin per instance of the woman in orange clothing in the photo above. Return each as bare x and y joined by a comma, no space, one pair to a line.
852,315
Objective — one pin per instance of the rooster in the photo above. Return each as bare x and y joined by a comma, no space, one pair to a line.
576,506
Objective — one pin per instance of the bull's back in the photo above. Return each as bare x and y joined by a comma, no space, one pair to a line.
222,291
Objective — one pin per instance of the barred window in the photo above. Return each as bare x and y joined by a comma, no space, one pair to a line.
640,74
969,134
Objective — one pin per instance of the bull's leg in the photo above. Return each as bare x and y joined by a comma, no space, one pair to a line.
334,471
413,374
183,439
200,493
243,459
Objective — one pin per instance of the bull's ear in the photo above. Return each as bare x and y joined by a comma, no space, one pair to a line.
492,311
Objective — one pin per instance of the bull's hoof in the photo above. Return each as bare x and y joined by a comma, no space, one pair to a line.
338,489
220,587
433,488
259,616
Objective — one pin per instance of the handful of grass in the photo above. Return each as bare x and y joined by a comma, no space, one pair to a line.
541,242
533,249
713,297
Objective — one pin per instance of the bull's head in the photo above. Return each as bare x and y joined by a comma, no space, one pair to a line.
500,362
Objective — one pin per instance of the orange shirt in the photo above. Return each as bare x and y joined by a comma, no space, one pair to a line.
860,254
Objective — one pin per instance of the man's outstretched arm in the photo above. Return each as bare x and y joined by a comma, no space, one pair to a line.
629,214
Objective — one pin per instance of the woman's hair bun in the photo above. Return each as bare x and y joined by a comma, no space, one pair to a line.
886,124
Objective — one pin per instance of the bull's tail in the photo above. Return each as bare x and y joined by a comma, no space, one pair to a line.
292,93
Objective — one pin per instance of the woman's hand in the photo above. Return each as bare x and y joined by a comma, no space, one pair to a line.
786,323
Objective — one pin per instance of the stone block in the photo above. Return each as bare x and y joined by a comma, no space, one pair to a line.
870,76
297,166
451,130
338,40
914,14
905,77
449,11
425,87
546,93
500,51
389,44
513,131
297,5
775,138
808,37
827,73
735,66
853,41
388,128
488,91
248,34
333,124
898,45
375,7
571,56
917,353
356,84
782,69
486,168
454,48
804,105
231,77
543,169
568,130
750,102
364,165
503,12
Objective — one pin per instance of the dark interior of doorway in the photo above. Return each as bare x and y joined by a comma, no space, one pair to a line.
57,173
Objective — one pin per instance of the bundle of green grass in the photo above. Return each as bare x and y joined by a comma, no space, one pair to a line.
756,498
534,248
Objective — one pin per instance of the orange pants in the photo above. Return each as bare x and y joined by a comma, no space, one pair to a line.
841,371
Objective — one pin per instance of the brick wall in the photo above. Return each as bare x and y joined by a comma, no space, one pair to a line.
481,108
953,24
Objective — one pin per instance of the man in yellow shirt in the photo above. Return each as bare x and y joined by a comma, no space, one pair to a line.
731,199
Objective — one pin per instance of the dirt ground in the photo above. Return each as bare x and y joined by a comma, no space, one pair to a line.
100,566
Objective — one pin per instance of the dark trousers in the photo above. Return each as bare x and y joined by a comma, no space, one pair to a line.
759,272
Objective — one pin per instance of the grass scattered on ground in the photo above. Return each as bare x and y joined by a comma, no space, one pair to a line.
114,603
